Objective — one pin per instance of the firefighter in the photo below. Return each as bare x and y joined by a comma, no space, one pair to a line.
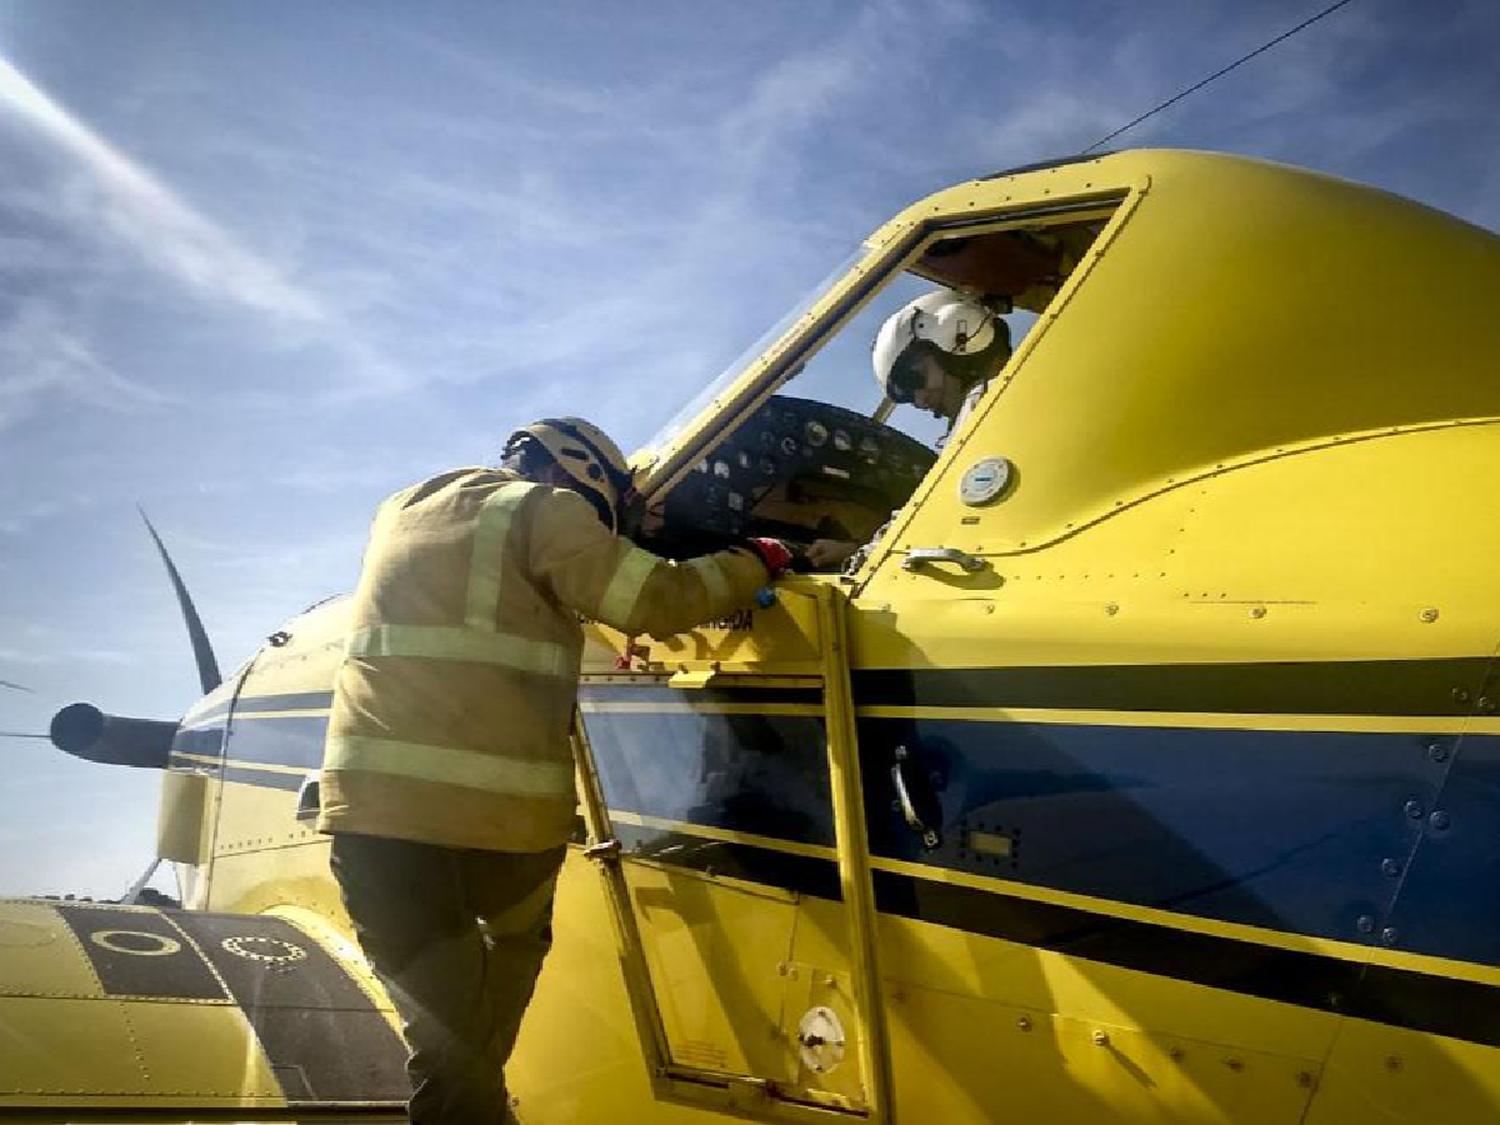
448,776
939,353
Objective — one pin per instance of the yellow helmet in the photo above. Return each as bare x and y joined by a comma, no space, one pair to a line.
586,454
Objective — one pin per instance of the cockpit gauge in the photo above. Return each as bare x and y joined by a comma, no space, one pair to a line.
841,441
816,433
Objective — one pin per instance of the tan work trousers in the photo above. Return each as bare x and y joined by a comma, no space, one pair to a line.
458,937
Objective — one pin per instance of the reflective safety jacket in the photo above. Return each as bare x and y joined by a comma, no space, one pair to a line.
451,711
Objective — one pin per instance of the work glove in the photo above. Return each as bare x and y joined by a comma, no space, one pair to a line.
775,554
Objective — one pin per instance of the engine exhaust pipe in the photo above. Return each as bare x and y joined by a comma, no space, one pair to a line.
84,731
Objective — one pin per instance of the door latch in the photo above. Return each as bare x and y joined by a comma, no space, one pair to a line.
605,851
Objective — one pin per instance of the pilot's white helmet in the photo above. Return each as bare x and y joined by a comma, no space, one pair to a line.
962,334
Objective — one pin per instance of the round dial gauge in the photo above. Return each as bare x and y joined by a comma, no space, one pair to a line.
984,480
841,441
816,433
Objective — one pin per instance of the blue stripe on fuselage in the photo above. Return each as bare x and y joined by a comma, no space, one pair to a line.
1282,829
1306,832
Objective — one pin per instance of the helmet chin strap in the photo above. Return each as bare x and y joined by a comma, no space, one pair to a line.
558,478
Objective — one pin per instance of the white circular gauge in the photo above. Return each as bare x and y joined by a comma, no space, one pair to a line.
841,441
984,480
815,432
820,1036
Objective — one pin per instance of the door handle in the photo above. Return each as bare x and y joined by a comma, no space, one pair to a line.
922,556
931,838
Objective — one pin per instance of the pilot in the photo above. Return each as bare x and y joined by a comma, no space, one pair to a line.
448,774
938,353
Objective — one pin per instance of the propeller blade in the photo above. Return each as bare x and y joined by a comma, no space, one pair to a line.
203,653
15,687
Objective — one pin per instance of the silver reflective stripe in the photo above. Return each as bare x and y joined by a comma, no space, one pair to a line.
707,568
624,589
490,531
439,642
471,769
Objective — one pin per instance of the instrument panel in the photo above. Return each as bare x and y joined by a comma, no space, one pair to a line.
796,469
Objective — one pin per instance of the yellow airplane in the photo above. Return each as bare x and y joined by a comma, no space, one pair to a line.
1147,769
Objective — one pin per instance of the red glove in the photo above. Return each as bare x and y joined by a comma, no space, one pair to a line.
773,553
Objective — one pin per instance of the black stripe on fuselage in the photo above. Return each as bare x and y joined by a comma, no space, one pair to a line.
323,1038
290,782
207,742
1345,687
1398,997
256,704
137,953
661,693
279,741
265,779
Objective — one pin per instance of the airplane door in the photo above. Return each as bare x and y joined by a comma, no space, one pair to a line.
721,791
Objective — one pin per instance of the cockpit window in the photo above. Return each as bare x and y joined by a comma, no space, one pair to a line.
700,401
825,457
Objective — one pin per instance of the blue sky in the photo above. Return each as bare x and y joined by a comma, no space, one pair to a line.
261,264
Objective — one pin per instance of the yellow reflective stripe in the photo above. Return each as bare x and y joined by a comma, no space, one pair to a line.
438,642
714,581
624,589
471,769
490,531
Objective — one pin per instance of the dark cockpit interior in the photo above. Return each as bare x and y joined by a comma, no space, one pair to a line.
797,470
800,469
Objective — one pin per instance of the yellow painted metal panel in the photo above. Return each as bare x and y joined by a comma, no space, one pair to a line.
56,1048
309,660
579,1058
40,956
1399,1077
201,1053
182,823
964,1061
254,878
714,948
919,955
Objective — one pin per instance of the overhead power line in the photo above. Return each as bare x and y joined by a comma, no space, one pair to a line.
1264,47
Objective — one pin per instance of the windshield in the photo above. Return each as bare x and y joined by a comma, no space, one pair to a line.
705,397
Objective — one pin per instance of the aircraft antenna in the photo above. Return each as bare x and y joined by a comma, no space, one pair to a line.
15,687
18,734
1328,11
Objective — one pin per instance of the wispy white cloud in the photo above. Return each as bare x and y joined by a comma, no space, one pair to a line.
39,658
114,193
43,357
142,212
